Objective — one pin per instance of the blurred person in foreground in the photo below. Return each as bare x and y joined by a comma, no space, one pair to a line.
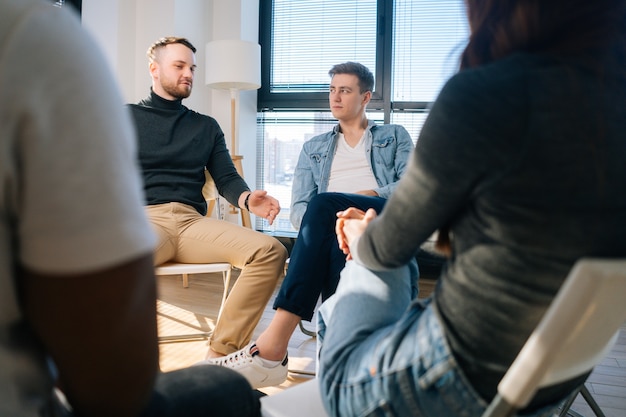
521,163
78,332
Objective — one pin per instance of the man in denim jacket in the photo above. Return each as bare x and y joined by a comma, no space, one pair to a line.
357,164
386,151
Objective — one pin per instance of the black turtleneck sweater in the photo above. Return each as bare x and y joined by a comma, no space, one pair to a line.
175,145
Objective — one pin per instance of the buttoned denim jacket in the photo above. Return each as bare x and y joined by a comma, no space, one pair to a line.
387,149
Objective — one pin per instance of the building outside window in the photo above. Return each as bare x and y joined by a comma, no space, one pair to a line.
411,46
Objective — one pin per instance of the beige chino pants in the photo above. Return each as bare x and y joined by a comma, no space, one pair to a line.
186,236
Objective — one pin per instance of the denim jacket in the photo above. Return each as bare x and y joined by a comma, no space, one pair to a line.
387,149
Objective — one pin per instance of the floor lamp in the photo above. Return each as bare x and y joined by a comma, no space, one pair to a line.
234,65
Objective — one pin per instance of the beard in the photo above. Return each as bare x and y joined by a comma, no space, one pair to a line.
180,91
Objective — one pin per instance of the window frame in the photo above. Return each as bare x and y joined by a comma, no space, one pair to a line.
381,96
306,102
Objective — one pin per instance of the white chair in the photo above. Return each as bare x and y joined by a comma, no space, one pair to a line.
175,268
577,331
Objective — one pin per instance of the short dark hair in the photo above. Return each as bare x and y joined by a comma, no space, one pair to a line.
168,40
365,76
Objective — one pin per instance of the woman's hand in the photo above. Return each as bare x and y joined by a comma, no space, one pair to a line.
351,223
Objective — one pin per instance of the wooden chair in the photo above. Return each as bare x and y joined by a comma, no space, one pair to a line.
209,191
578,329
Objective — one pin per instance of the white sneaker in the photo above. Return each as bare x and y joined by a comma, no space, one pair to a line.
255,369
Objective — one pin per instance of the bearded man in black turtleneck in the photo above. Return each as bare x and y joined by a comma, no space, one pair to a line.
176,144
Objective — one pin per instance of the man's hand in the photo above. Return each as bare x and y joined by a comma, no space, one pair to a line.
262,204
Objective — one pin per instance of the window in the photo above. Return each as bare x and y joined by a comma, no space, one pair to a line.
330,30
411,46
428,38
280,136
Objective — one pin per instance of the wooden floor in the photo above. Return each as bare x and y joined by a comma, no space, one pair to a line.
194,309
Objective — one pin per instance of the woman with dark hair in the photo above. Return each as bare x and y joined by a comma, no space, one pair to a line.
521,161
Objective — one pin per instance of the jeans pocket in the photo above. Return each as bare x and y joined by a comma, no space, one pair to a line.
437,375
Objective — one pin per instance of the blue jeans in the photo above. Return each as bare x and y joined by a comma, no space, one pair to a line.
316,260
384,353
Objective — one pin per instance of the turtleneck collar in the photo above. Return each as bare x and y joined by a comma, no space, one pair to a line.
155,100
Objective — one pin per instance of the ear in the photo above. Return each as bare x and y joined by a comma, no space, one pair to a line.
367,97
154,69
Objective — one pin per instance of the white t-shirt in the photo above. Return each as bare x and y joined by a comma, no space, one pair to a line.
71,198
350,171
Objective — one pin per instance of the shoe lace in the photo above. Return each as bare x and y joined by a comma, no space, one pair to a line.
235,359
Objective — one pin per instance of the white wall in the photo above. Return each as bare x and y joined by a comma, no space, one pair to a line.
126,28
238,19
112,23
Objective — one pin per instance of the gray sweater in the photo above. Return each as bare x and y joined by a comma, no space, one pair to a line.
525,159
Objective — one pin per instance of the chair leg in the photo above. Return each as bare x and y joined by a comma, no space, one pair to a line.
307,332
499,408
591,401
565,409
226,275
226,278
185,337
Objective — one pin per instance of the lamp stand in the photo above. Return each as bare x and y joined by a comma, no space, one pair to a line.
237,159
239,69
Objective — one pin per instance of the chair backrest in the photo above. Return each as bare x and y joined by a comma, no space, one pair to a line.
577,330
209,191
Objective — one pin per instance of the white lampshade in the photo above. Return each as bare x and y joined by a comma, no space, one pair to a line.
233,64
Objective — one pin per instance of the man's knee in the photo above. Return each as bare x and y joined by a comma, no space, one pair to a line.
281,250
276,248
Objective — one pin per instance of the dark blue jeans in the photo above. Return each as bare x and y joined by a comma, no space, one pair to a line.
316,260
